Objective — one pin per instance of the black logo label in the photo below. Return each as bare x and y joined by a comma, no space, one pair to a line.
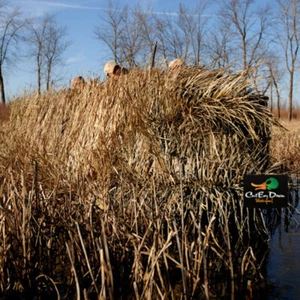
265,191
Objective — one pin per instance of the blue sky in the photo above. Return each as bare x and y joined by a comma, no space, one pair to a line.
86,56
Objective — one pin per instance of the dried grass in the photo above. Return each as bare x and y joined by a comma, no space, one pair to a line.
133,188
285,148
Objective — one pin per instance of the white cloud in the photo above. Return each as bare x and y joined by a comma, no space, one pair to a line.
46,5
75,59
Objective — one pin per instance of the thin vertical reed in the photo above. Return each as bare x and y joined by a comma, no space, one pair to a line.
180,247
73,269
108,264
86,256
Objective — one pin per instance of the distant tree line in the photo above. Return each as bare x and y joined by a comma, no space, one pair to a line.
45,39
259,37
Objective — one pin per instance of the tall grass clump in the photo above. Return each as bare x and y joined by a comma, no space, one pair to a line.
132,189
285,147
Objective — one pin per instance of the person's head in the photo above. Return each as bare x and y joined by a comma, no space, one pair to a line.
175,64
78,82
113,70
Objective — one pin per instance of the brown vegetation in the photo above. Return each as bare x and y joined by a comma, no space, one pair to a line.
133,188
4,113
285,147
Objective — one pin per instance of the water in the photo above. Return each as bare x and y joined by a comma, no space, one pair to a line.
283,269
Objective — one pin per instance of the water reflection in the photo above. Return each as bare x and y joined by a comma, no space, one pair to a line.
283,265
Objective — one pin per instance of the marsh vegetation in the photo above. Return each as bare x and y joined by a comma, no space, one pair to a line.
133,189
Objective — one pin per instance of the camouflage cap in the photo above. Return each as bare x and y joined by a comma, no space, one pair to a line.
109,67
175,63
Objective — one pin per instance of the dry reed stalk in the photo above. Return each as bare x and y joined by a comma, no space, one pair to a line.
102,294
108,264
74,272
247,261
53,283
136,292
107,281
205,276
182,265
137,266
229,251
86,256
153,262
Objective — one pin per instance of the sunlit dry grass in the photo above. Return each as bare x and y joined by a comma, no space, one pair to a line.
133,188
285,146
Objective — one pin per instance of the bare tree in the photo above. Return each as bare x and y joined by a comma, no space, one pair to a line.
182,34
289,16
193,25
36,40
170,38
11,24
248,27
47,45
131,35
220,47
145,22
55,47
162,45
275,76
128,33
111,29
131,40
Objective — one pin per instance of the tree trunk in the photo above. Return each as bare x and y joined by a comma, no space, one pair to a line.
271,98
48,78
291,96
39,77
278,98
2,91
